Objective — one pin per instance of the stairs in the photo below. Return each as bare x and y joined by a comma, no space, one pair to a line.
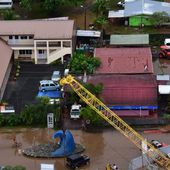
58,54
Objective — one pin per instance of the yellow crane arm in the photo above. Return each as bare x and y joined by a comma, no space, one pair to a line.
116,121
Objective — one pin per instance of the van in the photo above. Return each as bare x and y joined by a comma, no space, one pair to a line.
47,85
75,111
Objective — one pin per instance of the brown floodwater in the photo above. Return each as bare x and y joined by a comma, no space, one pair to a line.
102,147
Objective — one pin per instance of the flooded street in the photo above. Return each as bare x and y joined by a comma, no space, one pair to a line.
102,147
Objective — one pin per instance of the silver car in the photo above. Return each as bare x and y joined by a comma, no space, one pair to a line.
56,76
47,85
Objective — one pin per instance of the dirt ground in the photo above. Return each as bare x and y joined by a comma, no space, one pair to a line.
102,147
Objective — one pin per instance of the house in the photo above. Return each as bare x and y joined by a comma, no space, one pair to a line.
129,86
138,12
5,65
41,41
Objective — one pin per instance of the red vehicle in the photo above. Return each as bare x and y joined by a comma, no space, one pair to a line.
165,52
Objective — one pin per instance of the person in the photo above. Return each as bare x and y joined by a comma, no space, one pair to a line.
114,167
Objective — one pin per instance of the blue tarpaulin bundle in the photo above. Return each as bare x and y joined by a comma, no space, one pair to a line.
51,94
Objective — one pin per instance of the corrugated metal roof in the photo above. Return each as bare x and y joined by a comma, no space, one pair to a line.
147,7
129,39
124,60
5,56
129,113
138,7
41,29
127,89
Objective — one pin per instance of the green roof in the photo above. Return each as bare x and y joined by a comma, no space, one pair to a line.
129,39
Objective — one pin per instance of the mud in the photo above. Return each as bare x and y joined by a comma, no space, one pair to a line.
102,147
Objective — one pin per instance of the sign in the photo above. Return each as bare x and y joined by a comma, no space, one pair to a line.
50,120
47,167
7,109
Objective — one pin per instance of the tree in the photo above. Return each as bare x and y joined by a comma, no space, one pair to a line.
53,5
158,18
9,15
100,7
101,21
81,63
91,116
25,4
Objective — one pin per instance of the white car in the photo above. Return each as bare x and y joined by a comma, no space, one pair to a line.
56,76
47,85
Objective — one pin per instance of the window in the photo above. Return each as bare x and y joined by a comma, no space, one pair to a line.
16,37
5,3
10,37
25,52
23,37
30,37
52,85
41,51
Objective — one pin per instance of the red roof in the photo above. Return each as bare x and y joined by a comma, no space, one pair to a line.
125,60
127,89
137,113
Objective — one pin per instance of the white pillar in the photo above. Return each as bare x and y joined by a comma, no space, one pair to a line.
35,51
48,51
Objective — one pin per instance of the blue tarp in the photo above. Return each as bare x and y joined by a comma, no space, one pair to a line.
133,107
51,94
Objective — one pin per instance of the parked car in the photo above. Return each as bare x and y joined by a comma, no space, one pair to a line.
77,160
75,111
56,76
47,85
156,144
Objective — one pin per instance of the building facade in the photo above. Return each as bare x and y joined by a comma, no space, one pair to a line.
41,41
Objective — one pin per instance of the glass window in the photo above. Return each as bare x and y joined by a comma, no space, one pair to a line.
41,51
10,37
23,37
16,37
52,85
28,51
47,85
30,36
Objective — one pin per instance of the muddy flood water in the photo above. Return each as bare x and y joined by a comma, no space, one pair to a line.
102,147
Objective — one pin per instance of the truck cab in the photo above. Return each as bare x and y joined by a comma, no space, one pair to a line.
75,111
165,49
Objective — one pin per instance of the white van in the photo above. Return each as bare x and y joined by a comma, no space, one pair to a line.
6,4
75,111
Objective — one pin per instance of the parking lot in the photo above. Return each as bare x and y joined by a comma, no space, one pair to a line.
24,90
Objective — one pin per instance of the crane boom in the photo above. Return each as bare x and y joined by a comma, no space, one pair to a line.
114,120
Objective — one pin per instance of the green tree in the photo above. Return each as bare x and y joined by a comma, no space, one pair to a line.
2,120
9,15
81,63
18,167
100,7
158,18
13,120
94,119
101,21
25,4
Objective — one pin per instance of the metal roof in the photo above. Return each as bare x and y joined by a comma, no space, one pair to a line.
138,7
5,57
88,33
129,39
41,29
128,90
124,60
